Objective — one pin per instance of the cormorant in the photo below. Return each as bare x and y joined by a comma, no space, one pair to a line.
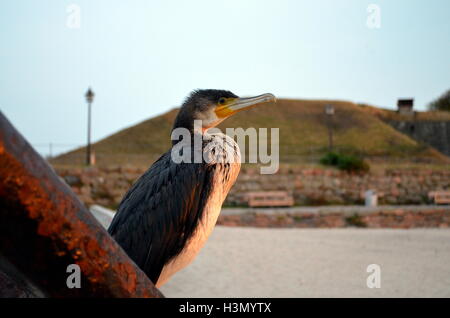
167,215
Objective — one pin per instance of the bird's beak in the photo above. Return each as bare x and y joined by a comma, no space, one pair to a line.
234,105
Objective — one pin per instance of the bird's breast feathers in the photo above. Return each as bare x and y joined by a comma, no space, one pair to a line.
218,145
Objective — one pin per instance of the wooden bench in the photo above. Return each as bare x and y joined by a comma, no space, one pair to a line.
440,197
269,199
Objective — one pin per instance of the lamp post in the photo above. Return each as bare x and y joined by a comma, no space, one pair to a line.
329,111
89,98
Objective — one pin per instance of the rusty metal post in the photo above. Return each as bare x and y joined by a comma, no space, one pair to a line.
44,228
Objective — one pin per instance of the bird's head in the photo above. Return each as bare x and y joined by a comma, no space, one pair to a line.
212,106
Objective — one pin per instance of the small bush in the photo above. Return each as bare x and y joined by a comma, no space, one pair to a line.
355,220
330,159
344,162
441,103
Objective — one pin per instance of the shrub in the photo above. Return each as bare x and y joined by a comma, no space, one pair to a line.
344,162
330,159
355,220
441,103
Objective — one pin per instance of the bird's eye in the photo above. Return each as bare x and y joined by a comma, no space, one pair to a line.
222,101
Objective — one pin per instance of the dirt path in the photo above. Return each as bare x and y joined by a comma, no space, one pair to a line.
248,262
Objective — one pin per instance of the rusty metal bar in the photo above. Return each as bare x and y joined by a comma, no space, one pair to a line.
44,228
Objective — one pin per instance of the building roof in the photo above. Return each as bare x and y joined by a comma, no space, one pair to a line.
405,102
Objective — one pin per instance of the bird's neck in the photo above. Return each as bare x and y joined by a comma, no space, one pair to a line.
184,128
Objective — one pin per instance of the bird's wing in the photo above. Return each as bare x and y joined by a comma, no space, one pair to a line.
161,211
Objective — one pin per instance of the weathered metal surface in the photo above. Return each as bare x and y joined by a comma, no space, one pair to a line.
13,284
44,228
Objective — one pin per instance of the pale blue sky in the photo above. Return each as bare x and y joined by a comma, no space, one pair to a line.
143,57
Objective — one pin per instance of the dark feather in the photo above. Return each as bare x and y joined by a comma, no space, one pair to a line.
161,212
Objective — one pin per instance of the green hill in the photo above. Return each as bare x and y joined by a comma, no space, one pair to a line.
303,135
